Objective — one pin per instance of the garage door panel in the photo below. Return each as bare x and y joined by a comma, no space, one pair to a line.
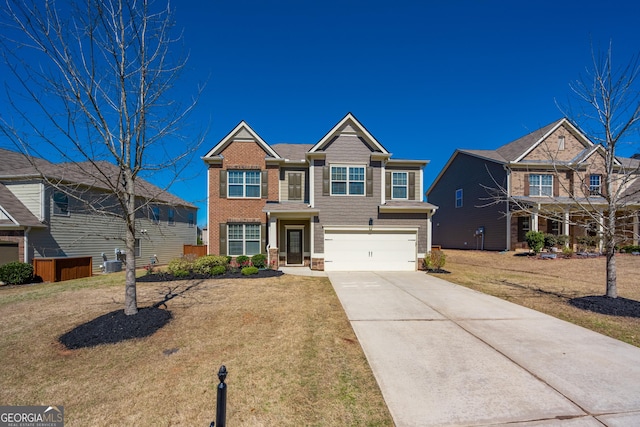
370,251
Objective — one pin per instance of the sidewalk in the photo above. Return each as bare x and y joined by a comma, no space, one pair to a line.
445,355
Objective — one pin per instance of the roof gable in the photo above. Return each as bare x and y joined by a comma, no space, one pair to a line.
242,132
351,126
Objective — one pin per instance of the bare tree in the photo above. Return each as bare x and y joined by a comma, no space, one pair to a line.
101,74
610,101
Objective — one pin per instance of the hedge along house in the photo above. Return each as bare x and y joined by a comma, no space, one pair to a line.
549,180
342,203
39,220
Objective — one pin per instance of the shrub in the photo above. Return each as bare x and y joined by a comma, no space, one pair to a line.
535,240
562,240
435,260
204,264
259,260
567,252
243,261
16,273
247,271
628,249
180,267
550,241
218,270
588,242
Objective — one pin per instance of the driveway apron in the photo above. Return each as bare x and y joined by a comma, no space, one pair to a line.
445,355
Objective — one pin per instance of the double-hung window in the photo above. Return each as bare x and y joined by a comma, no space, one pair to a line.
60,203
244,239
540,185
171,216
595,185
347,180
399,185
245,184
459,198
155,214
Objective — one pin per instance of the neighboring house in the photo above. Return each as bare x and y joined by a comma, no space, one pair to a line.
340,204
545,181
38,220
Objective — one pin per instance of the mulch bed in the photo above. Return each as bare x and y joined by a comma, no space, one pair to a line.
115,327
611,306
168,277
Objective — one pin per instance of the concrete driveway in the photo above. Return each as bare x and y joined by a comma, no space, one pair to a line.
445,355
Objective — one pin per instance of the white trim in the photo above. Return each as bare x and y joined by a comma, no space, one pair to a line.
230,138
359,130
358,228
312,180
406,186
347,181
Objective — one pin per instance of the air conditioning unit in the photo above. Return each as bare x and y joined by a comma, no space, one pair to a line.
112,266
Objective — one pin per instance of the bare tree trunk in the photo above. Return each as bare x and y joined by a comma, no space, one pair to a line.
130,296
612,287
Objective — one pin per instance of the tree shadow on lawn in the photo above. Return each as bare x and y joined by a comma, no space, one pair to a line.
611,306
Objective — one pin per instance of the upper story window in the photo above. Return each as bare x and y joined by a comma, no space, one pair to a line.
347,180
171,216
399,185
540,185
191,219
244,239
244,184
155,214
459,198
136,248
595,185
60,203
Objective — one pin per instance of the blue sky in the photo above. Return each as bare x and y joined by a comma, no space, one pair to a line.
425,77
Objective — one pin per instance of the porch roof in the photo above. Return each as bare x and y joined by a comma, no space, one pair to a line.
596,201
407,206
300,208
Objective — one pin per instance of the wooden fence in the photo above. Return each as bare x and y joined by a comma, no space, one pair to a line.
197,250
65,268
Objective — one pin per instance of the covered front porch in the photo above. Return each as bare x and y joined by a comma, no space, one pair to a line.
290,234
572,218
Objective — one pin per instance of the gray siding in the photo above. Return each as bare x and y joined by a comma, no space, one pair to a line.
356,210
455,227
84,233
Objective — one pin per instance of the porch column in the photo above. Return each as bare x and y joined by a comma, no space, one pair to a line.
635,229
429,229
534,220
600,229
566,228
272,244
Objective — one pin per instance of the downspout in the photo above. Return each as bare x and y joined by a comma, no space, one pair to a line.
26,245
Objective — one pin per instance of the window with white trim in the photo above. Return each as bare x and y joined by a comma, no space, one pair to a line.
561,143
60,203
191,219
155,214
595,185
244,239
540,185
399,185
347,180
459,198
243,184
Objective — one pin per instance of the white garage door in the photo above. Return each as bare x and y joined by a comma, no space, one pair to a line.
348,250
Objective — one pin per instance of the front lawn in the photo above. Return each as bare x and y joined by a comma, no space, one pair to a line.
292,356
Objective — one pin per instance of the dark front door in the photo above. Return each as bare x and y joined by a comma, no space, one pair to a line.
294,246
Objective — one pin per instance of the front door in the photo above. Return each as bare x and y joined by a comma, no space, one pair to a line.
294,246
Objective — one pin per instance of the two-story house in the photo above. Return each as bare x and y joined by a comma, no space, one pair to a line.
550,180
54,210
342,203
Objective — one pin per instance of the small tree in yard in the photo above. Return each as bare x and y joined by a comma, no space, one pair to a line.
99,74
535,240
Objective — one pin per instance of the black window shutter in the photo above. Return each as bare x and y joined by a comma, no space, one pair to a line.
369,181
263,238
223,184
412,185
387,185
223,239
265,184
326,181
